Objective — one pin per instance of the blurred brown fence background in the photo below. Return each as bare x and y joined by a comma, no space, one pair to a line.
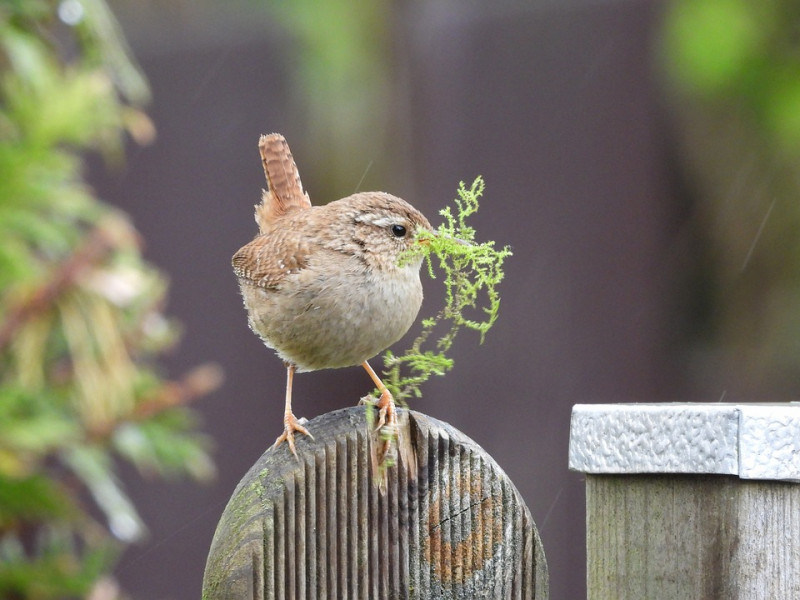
556,104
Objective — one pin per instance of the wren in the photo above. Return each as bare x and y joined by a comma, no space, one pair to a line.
324,286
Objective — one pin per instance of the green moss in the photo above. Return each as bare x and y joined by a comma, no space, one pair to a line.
471,272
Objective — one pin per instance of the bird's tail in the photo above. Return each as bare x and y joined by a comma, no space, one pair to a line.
284,192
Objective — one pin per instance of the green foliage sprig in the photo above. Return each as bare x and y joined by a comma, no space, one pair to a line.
472,271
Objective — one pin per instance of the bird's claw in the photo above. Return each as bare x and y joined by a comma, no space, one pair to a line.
387,412
290,425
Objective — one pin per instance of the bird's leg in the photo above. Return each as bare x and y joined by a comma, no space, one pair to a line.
385,404
290,422
388,435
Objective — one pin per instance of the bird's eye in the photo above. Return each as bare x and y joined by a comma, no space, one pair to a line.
398,231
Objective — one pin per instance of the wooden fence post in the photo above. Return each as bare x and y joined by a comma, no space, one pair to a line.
688,501
453,527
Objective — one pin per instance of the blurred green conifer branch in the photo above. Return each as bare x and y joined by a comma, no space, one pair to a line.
81,313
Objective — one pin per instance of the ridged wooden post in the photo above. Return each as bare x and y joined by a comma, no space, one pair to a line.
318,528
690,500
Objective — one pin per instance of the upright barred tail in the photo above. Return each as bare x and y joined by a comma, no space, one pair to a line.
284,193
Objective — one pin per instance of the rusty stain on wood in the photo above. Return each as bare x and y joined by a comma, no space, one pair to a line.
319,528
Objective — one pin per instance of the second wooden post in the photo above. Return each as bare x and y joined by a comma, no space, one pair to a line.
690,500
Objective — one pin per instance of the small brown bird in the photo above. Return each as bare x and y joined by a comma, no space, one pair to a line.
323,285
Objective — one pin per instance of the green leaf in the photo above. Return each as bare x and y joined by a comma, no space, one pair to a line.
166,445
32,499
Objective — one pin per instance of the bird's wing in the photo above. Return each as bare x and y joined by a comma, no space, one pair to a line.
265,261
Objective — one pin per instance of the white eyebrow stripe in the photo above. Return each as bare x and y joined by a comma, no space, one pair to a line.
377,220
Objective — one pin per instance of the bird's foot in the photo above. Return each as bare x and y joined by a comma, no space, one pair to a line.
387,411
290,425
387,429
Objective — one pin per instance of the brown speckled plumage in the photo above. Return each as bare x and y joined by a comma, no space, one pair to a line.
321,284
323,287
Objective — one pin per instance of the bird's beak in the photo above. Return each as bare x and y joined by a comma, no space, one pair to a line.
427,241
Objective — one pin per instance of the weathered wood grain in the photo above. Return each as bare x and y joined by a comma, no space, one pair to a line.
676,537
319,528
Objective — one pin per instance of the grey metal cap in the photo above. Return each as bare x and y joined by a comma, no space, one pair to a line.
752,441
